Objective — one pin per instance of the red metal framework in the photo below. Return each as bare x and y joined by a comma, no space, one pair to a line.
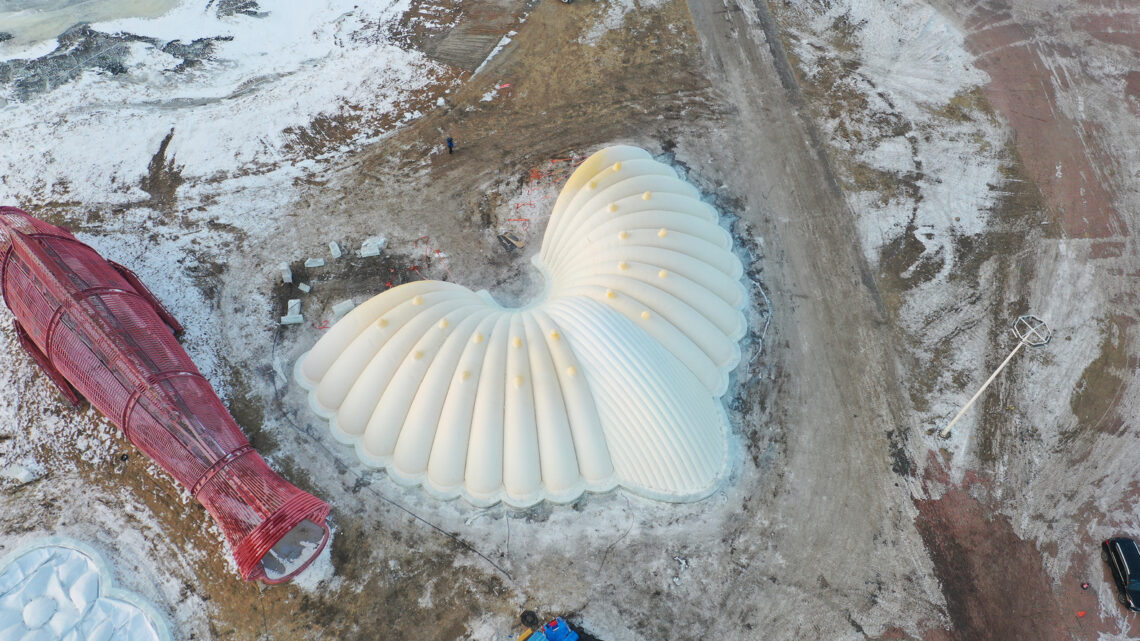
100,334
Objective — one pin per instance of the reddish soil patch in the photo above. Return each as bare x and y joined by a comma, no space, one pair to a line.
995,584
1107,249
1113,28
1132,90
1062,156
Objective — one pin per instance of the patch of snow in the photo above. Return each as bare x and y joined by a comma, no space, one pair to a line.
23,471
231,113
320,574
503,42
910,51
613,18
911,62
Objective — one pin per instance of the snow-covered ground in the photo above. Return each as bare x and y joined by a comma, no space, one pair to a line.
84,115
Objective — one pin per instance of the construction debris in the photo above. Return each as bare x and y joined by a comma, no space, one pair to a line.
293,313
343,307
286,273
334,249
305,287
511,241
315,262
373,246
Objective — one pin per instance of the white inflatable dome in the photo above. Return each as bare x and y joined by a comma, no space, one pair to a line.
611,377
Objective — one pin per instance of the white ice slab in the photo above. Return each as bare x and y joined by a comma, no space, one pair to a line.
373,246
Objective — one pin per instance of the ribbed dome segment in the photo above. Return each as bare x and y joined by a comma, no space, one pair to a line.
612,378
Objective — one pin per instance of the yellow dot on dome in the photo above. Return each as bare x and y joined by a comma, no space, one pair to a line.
443,323
555,335
661,233
418,355
466,375
662,273
383,322
612,208
517,342
622,235
592,184
623,265
478,338
617,166
611,293
518,381
418,300
572,371
646,196
645,315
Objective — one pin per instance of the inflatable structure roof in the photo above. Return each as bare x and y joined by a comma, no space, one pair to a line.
612,376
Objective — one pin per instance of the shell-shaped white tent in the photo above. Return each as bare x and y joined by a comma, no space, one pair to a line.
611,377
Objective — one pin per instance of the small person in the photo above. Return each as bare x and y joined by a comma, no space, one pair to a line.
450,145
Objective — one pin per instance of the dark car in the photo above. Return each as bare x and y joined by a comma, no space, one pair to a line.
1123,558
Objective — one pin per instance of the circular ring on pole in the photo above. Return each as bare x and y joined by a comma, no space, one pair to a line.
1032,331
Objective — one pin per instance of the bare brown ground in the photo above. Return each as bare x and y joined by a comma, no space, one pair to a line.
994,583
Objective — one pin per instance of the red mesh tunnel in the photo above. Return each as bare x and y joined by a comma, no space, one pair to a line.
100,334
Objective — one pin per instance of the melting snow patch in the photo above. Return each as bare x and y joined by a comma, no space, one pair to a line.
237,89
614,18
504,41
911,63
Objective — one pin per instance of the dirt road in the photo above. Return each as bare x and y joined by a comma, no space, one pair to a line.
833,390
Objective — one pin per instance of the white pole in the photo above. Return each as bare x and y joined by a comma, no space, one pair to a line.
946,430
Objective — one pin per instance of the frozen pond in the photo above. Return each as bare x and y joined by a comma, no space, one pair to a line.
32,21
